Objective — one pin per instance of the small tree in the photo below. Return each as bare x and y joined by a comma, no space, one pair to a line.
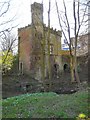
8,44
14,68
7,64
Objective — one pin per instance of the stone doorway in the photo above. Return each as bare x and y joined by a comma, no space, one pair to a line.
56,70
66,67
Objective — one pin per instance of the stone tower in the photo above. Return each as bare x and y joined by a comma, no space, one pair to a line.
37,34
37,13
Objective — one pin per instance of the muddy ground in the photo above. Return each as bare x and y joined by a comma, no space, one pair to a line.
13,85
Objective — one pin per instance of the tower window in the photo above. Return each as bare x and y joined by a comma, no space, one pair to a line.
51,48
19,38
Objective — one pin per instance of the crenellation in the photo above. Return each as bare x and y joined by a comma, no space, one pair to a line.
53,31
59,33
28,26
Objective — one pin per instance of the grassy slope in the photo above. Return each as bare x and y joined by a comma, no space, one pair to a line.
44,105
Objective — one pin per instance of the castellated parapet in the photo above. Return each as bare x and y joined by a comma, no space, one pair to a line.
53,31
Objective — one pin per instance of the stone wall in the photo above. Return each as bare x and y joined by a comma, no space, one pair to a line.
24,48
31,50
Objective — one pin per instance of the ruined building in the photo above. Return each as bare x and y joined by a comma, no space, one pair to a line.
39,54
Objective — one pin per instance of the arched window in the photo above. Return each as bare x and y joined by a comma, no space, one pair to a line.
65,67
21,67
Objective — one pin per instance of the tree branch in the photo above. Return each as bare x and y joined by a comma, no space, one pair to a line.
6,8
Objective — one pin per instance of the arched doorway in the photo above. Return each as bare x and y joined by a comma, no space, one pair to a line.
66,67
56,69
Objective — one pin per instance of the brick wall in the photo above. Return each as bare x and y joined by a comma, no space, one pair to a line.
25,47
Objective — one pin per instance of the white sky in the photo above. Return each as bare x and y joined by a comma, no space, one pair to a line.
24,13
21,9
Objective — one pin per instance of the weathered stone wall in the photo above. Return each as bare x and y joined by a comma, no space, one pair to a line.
37,13
55,47
24,48
65,61
81,60
30,50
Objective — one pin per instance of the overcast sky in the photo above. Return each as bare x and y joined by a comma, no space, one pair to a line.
21,11
24,11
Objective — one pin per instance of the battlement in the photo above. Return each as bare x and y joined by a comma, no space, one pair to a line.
28,26
52,30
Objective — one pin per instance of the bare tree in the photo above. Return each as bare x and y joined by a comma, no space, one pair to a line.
4,8
7,41
6,23
8,44
79,19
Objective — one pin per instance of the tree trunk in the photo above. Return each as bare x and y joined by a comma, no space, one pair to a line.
72,69
74,72
49,62
43,58
43,67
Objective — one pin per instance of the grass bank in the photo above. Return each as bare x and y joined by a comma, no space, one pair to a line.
46,105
